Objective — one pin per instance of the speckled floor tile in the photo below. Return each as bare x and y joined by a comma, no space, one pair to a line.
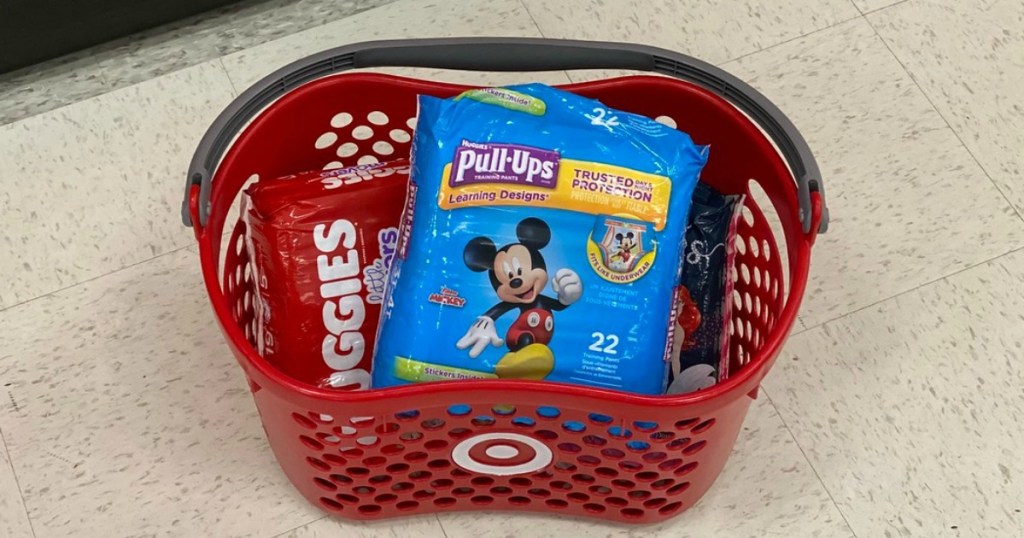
13,518
767,489
909,205
868,6
125,414
425,526
404,19
910,411
94,187
163,50
969,59
712,30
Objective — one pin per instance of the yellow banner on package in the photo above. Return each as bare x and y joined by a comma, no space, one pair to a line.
587,187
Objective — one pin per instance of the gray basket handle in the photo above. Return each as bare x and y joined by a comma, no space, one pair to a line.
506,54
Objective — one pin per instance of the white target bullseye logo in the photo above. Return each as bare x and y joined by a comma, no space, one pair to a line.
502,454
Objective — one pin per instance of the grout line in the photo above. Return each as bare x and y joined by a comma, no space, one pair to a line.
227,75
808,460
17,483
790,40
855,6
883,8
97,277
905,292
946,121
437,517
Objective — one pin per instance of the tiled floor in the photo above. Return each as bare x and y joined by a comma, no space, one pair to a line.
894,410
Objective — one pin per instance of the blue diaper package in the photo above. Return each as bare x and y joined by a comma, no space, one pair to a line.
546,243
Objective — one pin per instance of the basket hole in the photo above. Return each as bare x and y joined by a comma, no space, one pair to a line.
347,149
326,140
482,500
318,464
654,503
436,444
419,476
501,491
757,277
556,503
377,118
412,414
565,467
539,493
369,440
444,501
351,452
303,421
518,501
331,504
678,488
424,494
460,433
704,426
664,483
364,490
345,431
589,460
606,472
632,513
670,508
482,421
561,485
439,464
411,436
334,459
348,499
597,418
328,438
400,136
459,473
748,215
734,275
523,422
741,245
666,120
737,299
630,466
459,410
392,449
573,426
579,497
662,437
654,457
357,471
686,469
433,424
600,490
766,249
670,464
694,448
594,508
594,440
678,443
334,165
624,484
616,501
686,424
416,456
386,428
342,119
504,410
396,468
583,478
341,479
362,132
637,446
411,122
521,482
375,461
639,494
619,432
647,476
547,435
407,505
571,448
548,412
749,301
367,159
613,453
369,509
755,249
325,484
442,483
386,498
645,426
745,273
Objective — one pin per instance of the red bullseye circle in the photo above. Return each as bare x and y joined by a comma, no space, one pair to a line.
502,454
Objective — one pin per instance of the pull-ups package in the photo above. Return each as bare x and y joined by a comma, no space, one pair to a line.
546,244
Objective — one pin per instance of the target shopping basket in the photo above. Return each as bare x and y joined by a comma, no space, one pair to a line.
499,444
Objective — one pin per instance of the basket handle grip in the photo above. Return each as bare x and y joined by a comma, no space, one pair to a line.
506,54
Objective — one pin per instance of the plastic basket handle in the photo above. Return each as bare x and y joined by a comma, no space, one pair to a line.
507,54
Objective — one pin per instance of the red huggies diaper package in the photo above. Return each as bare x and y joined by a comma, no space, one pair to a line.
322,245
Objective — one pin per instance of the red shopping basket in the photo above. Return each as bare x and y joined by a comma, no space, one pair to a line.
498,444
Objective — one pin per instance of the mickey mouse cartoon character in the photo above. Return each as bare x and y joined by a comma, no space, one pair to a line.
518,275
625,247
